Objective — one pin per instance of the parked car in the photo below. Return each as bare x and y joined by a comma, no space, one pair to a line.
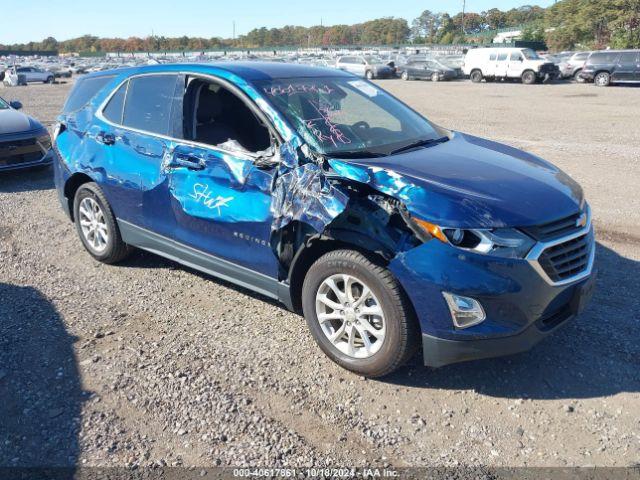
571,67
325,192
503,63
612,66
24,142
36,74
368,66
426,69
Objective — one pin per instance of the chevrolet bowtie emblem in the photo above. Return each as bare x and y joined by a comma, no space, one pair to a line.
582,220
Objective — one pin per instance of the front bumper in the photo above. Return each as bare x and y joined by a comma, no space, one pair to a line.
522,307
438,352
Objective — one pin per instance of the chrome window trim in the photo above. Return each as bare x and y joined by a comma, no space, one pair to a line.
242,155
534,254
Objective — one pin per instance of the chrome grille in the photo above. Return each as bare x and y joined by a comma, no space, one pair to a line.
566,259
565,249
556,229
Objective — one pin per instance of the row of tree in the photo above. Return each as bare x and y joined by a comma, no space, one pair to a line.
565,25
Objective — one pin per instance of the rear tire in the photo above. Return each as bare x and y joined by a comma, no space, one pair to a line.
602,79
577,78
405,76
476,76
394,325
435,77
369,75
96,225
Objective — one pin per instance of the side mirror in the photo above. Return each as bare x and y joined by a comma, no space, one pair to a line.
15,104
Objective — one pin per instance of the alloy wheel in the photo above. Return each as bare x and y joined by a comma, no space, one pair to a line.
93,224
350,316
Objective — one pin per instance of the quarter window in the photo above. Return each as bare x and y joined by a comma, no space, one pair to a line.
149,102
84,90
113,110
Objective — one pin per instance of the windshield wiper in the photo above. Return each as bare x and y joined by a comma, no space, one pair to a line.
425,142
355,154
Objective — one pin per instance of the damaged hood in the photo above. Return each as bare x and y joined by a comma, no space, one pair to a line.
470,182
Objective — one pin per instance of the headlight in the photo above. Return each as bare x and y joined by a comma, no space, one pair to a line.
501,242
44,141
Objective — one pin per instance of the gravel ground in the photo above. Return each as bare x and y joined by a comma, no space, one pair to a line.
149,363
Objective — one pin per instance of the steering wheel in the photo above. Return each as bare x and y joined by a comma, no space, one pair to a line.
361,124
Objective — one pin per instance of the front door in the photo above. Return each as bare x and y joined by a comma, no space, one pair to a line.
219,197
626,67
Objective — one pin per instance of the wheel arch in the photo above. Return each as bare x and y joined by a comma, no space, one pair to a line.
319,245
71,186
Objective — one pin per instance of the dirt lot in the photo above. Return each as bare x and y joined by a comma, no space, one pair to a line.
150,363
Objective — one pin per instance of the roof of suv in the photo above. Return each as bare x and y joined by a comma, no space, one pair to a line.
247,70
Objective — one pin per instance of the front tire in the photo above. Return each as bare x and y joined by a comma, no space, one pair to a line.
358,314
369,75
476,76
405,76
602,79
50,80
96,225
529,77
435,77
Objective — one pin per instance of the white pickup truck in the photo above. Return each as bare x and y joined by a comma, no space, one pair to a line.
499,63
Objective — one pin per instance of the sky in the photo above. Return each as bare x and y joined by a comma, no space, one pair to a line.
34,20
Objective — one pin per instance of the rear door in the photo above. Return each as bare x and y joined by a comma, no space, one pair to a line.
502,64
135,134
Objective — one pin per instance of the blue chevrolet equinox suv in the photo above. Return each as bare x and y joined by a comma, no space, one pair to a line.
321,190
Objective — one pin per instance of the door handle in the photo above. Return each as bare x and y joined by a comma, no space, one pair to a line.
189,161
106,138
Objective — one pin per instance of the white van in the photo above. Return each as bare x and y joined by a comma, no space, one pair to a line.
499,63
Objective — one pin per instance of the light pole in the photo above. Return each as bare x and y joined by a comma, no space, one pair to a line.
464,3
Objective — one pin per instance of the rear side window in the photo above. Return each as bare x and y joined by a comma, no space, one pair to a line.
600,58
148,103
113,110
502,57
84,90
492,57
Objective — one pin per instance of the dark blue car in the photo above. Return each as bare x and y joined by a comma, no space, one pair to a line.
321,190
24,142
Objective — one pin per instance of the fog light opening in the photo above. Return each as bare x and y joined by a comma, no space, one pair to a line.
465,311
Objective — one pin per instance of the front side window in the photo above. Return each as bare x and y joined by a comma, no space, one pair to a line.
530,54
628,58
216,116
148,104
516,57
336,115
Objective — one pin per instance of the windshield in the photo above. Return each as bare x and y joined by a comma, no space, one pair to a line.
530,54
3,105
340,115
